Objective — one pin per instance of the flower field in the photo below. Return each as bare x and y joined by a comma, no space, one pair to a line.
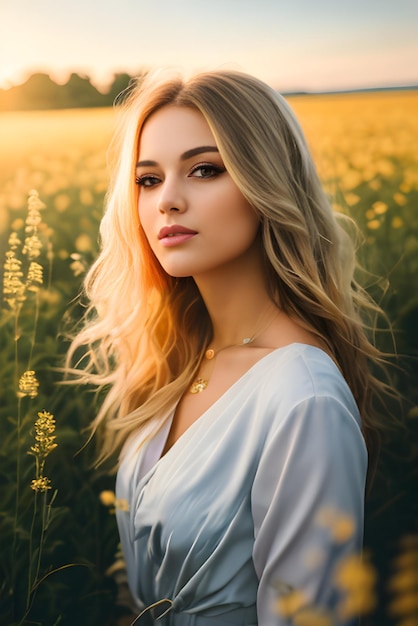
58,539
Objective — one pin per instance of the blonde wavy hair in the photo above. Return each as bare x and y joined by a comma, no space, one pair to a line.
145,332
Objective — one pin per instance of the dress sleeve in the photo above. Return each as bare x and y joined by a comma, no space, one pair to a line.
308,507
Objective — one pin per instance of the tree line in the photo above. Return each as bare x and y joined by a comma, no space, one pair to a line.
41,92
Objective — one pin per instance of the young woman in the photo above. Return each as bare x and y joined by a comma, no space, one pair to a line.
225,323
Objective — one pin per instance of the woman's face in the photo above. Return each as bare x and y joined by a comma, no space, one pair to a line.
194,216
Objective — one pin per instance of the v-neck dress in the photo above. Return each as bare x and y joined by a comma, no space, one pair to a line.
262,495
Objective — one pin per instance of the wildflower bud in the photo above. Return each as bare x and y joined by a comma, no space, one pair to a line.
107,497
77,268
33,244
32,247
41,484
403,583
12,264
34,203
45,440
14,241
13,286
44,429
35,276
32,221
28,384
356,577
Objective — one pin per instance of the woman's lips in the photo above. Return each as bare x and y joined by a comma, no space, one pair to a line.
174,235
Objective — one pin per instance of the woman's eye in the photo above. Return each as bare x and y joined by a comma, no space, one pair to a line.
206,171
146,181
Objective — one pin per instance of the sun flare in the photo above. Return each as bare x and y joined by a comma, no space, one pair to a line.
9,77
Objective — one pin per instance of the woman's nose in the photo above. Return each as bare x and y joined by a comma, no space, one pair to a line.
171,198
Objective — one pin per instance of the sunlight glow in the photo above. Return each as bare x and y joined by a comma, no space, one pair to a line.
9,77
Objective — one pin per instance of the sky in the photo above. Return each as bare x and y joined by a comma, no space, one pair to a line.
310,45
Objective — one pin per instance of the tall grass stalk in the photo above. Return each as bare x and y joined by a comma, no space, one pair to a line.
21,288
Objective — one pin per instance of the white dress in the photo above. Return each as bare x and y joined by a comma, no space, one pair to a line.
245,505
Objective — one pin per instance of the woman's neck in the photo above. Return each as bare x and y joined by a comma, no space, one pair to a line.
238,303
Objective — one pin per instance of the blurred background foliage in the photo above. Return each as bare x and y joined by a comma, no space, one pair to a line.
365,147
39,91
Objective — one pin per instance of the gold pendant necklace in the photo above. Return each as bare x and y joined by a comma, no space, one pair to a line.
200,383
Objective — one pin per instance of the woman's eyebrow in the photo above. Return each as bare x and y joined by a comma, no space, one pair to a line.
146,164
194,151
183,157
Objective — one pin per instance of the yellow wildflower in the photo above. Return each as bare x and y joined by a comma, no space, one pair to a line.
33,220
380,207
397,222
107,497
385,168
62,202
357,578
405,604
343,529
340,525
45,440
45,443
34,203
14,241
373,224
404,582
351,198
291,602
35,276
83,243
41,484
28,384
375,184
13,286
312,617
33,244
400,199
32,247
351,179
77,265
86,197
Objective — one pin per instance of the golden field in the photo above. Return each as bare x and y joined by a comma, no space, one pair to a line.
356,139
364,144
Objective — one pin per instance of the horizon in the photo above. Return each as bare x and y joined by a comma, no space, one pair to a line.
103,88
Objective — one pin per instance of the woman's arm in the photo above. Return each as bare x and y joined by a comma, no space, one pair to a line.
307,504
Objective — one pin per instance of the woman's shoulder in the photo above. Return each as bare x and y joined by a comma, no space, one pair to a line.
299,373
306,399
308,361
